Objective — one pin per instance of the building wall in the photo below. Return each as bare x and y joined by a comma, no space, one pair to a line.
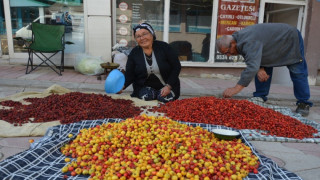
312,39
281,74
212,72
99,34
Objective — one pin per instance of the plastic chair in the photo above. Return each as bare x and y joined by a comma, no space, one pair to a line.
46,39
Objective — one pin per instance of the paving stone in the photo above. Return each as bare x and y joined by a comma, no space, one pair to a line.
273,147
17,142
303,146
300,163
278,161
20,142
311,174
1,155
300,158
306,148
10,151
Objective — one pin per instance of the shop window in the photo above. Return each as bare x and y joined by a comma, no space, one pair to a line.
189,24
192,42
129,13
198,21
21,17
175,21
66,12
3,32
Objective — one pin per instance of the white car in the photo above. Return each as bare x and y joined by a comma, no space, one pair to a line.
26,33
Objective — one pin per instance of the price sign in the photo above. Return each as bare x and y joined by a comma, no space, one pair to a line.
123,18
123,6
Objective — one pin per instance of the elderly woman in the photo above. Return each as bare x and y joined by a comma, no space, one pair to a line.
153,67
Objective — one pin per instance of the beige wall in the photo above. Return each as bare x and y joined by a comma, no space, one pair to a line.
312,40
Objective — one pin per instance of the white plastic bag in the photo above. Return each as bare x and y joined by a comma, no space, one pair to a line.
88,65
121,59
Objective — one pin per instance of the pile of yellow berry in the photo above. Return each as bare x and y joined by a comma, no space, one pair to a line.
148,147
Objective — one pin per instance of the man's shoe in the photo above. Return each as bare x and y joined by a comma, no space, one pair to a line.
303,109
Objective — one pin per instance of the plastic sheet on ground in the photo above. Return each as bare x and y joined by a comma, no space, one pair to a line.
44,160
251,134
39,129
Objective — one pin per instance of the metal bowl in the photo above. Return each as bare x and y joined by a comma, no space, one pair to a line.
109,65
225,134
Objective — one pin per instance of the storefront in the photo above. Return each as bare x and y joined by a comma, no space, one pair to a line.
190,26
17,16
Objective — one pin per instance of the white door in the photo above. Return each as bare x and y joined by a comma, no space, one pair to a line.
288,12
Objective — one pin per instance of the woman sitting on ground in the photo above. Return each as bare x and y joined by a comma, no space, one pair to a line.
153,67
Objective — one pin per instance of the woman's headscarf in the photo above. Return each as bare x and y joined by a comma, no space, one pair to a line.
144,26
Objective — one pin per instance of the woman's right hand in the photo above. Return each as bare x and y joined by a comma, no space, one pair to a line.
165,90
120,90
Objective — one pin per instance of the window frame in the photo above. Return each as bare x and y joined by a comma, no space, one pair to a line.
15,56
211,61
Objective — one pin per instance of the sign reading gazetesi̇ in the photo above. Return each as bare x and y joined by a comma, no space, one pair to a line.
235,15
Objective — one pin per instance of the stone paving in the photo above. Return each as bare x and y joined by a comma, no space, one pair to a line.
300,158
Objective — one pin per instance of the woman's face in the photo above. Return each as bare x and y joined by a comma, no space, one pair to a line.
144,38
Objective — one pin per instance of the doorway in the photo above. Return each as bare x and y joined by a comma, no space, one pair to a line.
284,13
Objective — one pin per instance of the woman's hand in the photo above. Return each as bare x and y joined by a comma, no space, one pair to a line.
165,90
120,90
262,75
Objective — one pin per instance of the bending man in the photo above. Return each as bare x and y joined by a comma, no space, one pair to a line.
263,47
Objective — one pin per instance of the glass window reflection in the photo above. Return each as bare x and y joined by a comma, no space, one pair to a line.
190,29
130,13
3,32
66,12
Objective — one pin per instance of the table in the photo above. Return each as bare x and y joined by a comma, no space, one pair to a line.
108,67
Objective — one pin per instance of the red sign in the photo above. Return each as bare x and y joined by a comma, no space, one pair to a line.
123,6
235,15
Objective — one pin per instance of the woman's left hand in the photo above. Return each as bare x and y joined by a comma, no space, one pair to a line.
165,91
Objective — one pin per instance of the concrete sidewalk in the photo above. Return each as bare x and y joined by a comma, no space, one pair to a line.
300,158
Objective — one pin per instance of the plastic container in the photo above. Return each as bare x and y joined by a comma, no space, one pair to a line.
225,134
114,82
